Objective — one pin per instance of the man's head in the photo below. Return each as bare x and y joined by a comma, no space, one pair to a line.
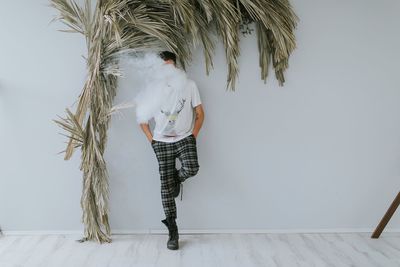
168,57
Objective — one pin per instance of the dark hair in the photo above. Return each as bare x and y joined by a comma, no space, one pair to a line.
166,55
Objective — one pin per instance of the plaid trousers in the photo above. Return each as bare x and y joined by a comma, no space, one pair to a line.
167,152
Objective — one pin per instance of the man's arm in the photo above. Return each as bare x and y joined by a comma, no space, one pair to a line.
146,129
199,112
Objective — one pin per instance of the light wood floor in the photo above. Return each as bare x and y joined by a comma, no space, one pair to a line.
206,250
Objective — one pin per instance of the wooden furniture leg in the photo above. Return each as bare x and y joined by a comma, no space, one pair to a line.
388,215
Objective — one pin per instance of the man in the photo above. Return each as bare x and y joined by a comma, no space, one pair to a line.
175,135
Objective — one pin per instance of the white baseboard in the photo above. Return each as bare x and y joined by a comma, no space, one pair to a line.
209,231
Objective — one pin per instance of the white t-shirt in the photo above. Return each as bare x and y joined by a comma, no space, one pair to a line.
174,125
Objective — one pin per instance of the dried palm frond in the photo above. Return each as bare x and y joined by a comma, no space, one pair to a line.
226,19
115,26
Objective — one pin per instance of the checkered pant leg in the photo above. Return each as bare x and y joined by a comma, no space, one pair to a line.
186,151
166,153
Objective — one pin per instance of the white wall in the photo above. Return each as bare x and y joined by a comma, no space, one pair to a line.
322,152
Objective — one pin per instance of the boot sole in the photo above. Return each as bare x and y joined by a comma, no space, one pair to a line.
177,191
173,248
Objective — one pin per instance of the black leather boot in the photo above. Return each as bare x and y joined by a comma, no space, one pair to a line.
173,235
177,186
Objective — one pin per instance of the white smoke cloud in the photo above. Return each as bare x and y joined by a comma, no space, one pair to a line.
160,87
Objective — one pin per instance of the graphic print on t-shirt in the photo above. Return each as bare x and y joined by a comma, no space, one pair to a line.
172,117
174,126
